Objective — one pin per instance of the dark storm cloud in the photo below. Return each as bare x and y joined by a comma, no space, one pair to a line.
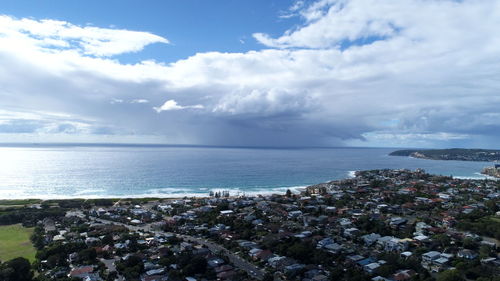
400,73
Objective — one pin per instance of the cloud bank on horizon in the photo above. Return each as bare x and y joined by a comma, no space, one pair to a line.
361,72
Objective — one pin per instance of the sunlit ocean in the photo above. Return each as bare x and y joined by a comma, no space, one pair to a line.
176,171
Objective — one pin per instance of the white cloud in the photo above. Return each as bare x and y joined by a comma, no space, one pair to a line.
37,122
139,101
172,105
88,40
266,102
115,101
292,11
330,23
348,71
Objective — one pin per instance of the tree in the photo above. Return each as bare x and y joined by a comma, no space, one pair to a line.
288,193
18,269
175,275
195,266
37,238
450,275
491,205
469,243
107,239
87,255
442,239
268,277
112,276
104,202
386,270
300,251
485,251
131,268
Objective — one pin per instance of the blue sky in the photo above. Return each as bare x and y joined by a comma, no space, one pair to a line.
406,73
191,25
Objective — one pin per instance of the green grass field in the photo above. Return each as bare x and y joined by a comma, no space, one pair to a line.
15,242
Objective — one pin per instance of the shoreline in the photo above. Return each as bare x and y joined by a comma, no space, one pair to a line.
233,193
279,191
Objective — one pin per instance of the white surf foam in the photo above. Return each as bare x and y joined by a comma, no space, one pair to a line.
166,192
478,177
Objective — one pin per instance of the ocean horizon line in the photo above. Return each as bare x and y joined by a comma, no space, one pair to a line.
104,144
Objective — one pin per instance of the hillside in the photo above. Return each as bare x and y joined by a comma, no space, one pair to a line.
486,155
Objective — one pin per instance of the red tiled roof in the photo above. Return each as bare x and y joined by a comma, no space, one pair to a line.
81,270
263,254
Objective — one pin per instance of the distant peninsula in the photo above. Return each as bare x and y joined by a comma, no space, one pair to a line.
460,154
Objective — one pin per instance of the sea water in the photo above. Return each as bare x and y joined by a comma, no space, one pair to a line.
67,171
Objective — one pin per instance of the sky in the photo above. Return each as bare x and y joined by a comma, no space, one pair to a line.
406,73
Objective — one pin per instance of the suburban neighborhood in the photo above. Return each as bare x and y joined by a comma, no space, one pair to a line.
378,225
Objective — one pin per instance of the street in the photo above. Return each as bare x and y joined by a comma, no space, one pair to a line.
237,261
